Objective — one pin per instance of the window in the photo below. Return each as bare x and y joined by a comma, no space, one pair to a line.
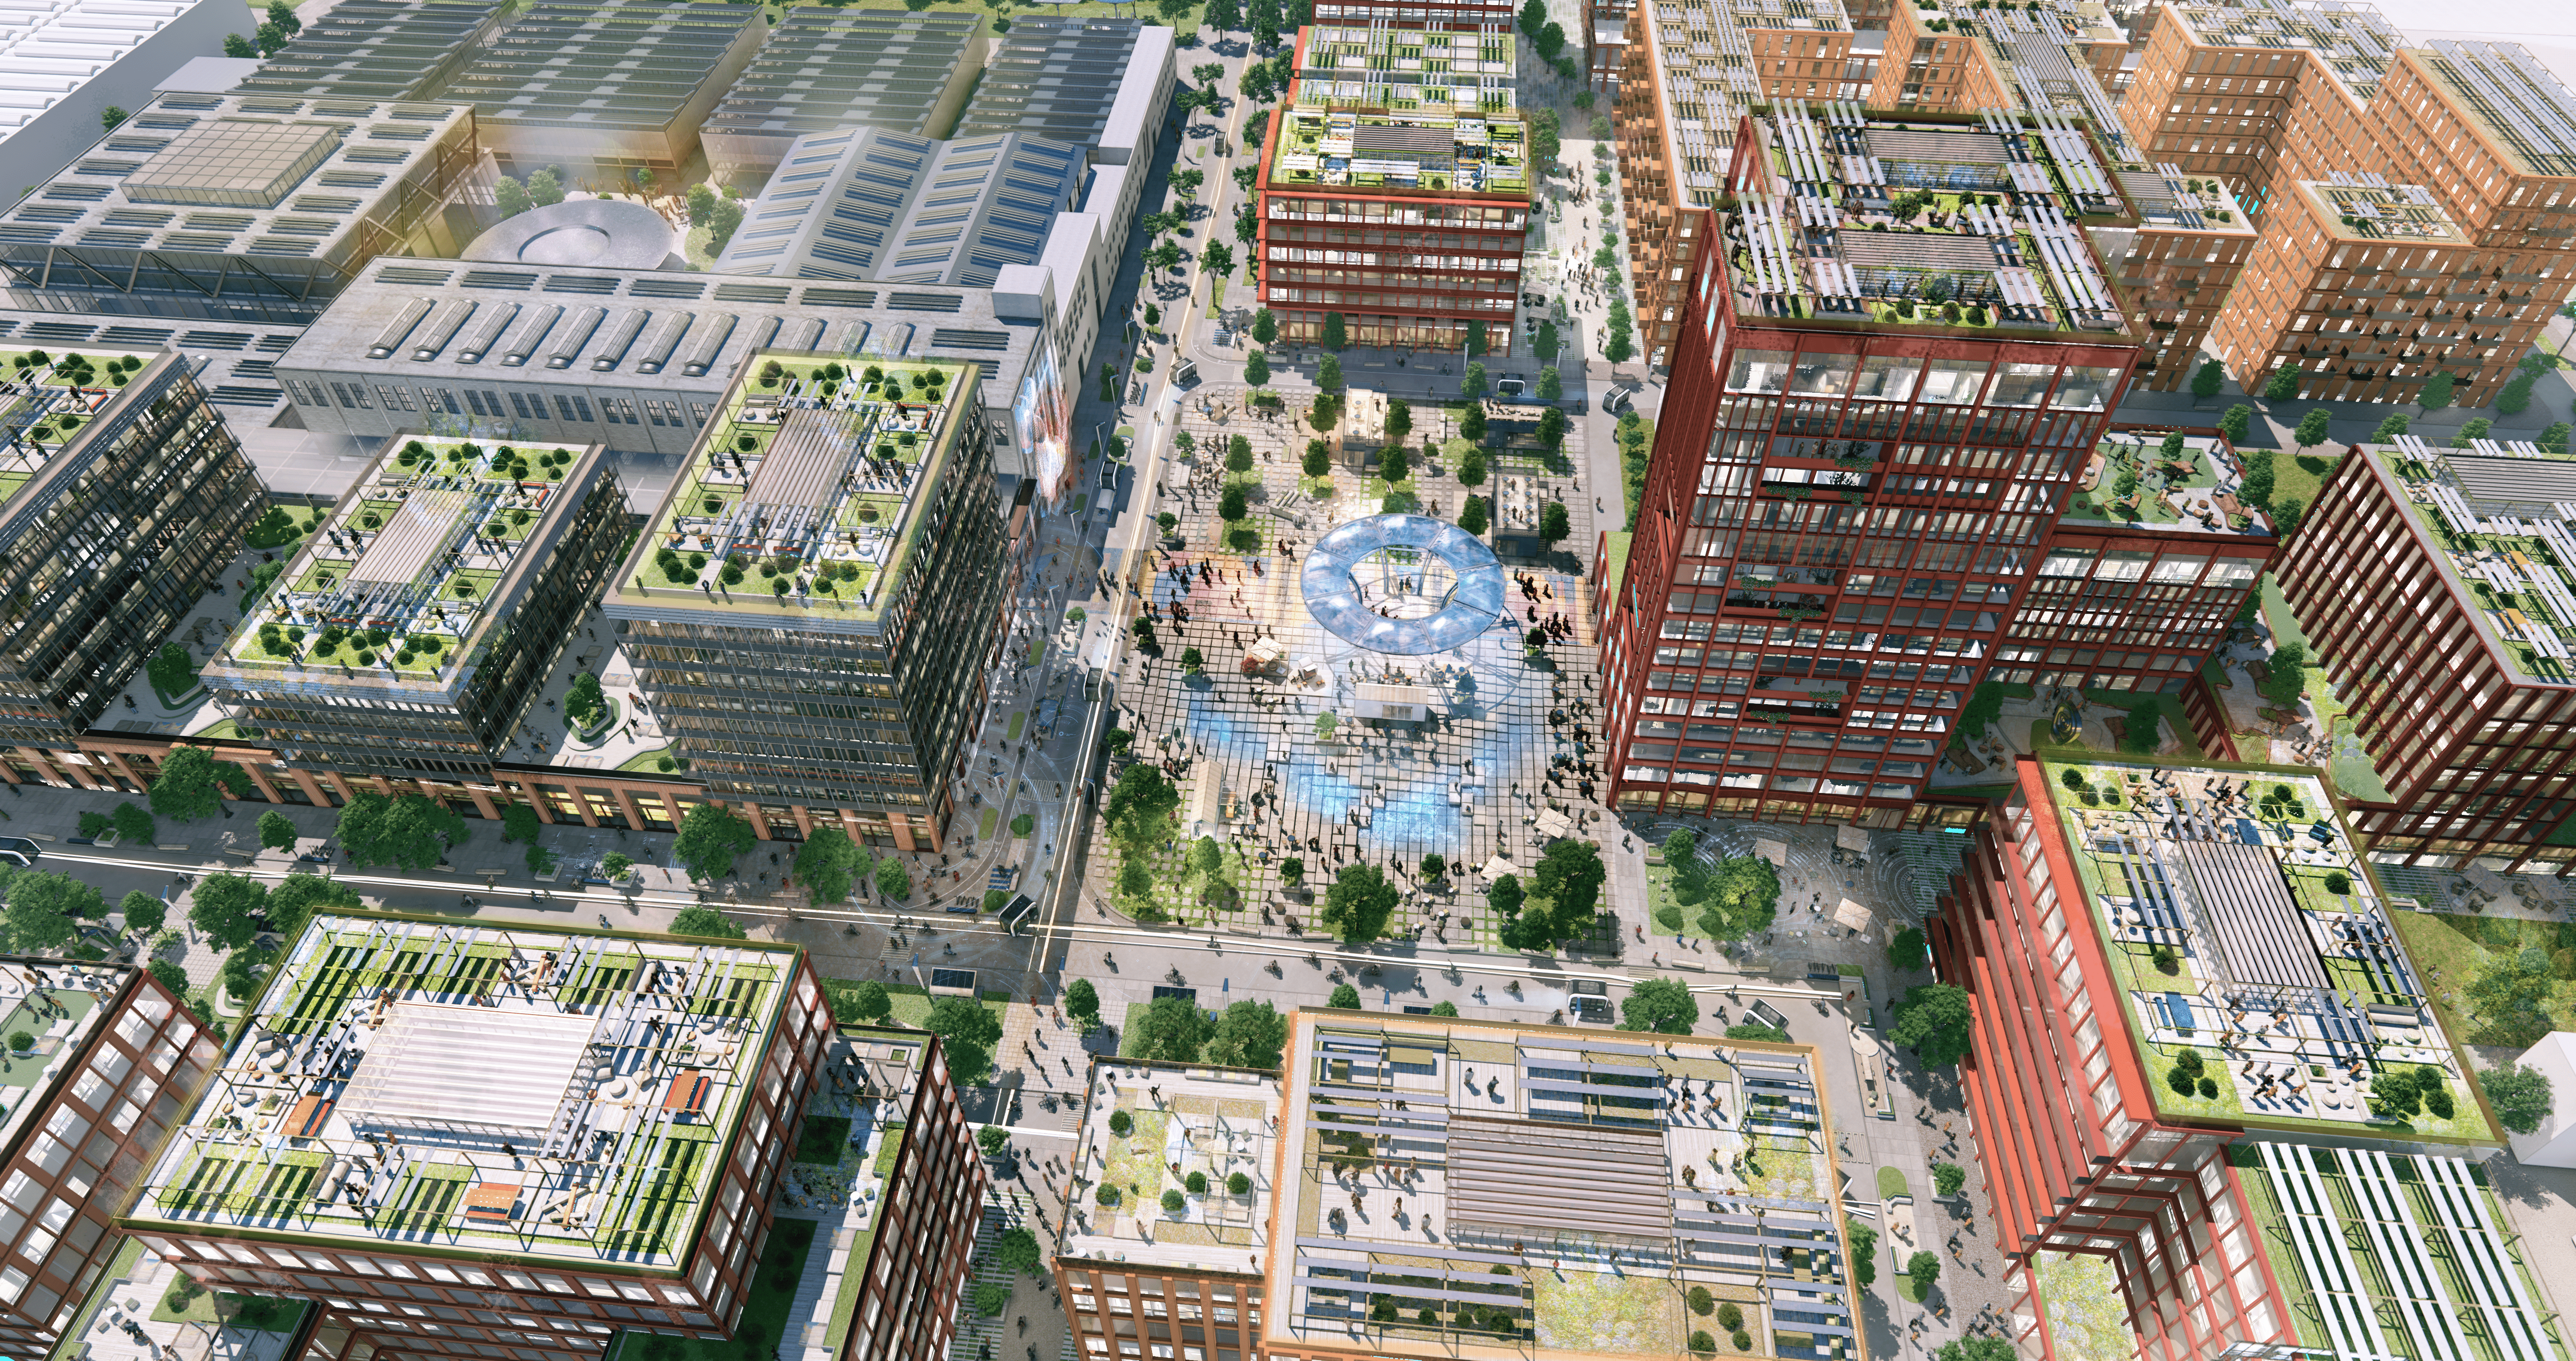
395,398
354,395
1758,371
1954,382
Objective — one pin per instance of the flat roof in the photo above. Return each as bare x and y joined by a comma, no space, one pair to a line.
282,178
2522,104
1220,1122
2349,209
377,50
2353,40
2242,923
1992,205
437,544
1061,78
1471,153
1699,102
695,330
820,518
614,1069
1460,74
1527,1184
2499,519
2190,492
58,397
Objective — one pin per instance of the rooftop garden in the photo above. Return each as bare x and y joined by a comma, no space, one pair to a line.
2143,477
452,512
2489,567
894,424
62,393
2216,1049
1482,156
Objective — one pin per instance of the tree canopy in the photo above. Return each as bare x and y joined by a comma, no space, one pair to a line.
276,831
410,831
188,786
1664,1005
1932,1019
1345,997
143,912
2521,1096
824,864
292,903
701,920
227,907
1359,904
1563,897
1170,1030
1083,1001
1248,1035
711,838
1141,804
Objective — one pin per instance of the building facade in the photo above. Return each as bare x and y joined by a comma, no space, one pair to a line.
1845,507
2453,671
119,1055
2120,926
126,499
412,631
1127,1289
1397,201
842,679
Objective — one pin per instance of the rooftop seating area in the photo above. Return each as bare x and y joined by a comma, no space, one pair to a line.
2502,515
1401,151
1463,1184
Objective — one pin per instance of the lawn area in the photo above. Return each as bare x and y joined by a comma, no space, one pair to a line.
651,762
764,1309
2452,950
1600,1311
2297,476
822,1139
1891,1182
2276,614
1019,721
2086,1318
258,1313
984,825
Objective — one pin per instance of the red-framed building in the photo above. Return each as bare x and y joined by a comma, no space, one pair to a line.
2449,679
1399,205
2096,1156
1853,516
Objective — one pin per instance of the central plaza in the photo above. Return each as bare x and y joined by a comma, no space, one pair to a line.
1365,693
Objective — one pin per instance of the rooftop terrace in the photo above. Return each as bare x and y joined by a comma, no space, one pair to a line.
1215,1124
403,587
2521,103
50,395
2252,950
806,497
60,1004
2354,40
2369,208
1404,70
1493,1188
2133,479
1925,220
2502,519
547,1095
1400,151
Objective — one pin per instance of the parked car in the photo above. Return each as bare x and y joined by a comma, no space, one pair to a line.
18,850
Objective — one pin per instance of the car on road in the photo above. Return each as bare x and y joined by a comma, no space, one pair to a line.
1618,401
18,850
1187,375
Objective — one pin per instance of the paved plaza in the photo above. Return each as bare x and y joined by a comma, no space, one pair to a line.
1498,764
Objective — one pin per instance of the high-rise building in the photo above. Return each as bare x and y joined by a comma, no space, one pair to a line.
1446,1187
414,628
479,1141
813,607
2306,109
112,1055
1133,1276
1396,190
2211,1091
123,498
2449,653
1871,435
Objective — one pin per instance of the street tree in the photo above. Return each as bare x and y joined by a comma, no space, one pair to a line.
1664,1005
227,907
702,920
2312,429
1256,368
2436,393
276,831
2283,385
143,913
1169,1030
1932,1019
410,831
2207,380
1359,904
1082,1002
823,865
1336,332
1247,1035
188,786
1344,997
711,838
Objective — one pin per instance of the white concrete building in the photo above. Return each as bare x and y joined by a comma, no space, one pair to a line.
63,62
